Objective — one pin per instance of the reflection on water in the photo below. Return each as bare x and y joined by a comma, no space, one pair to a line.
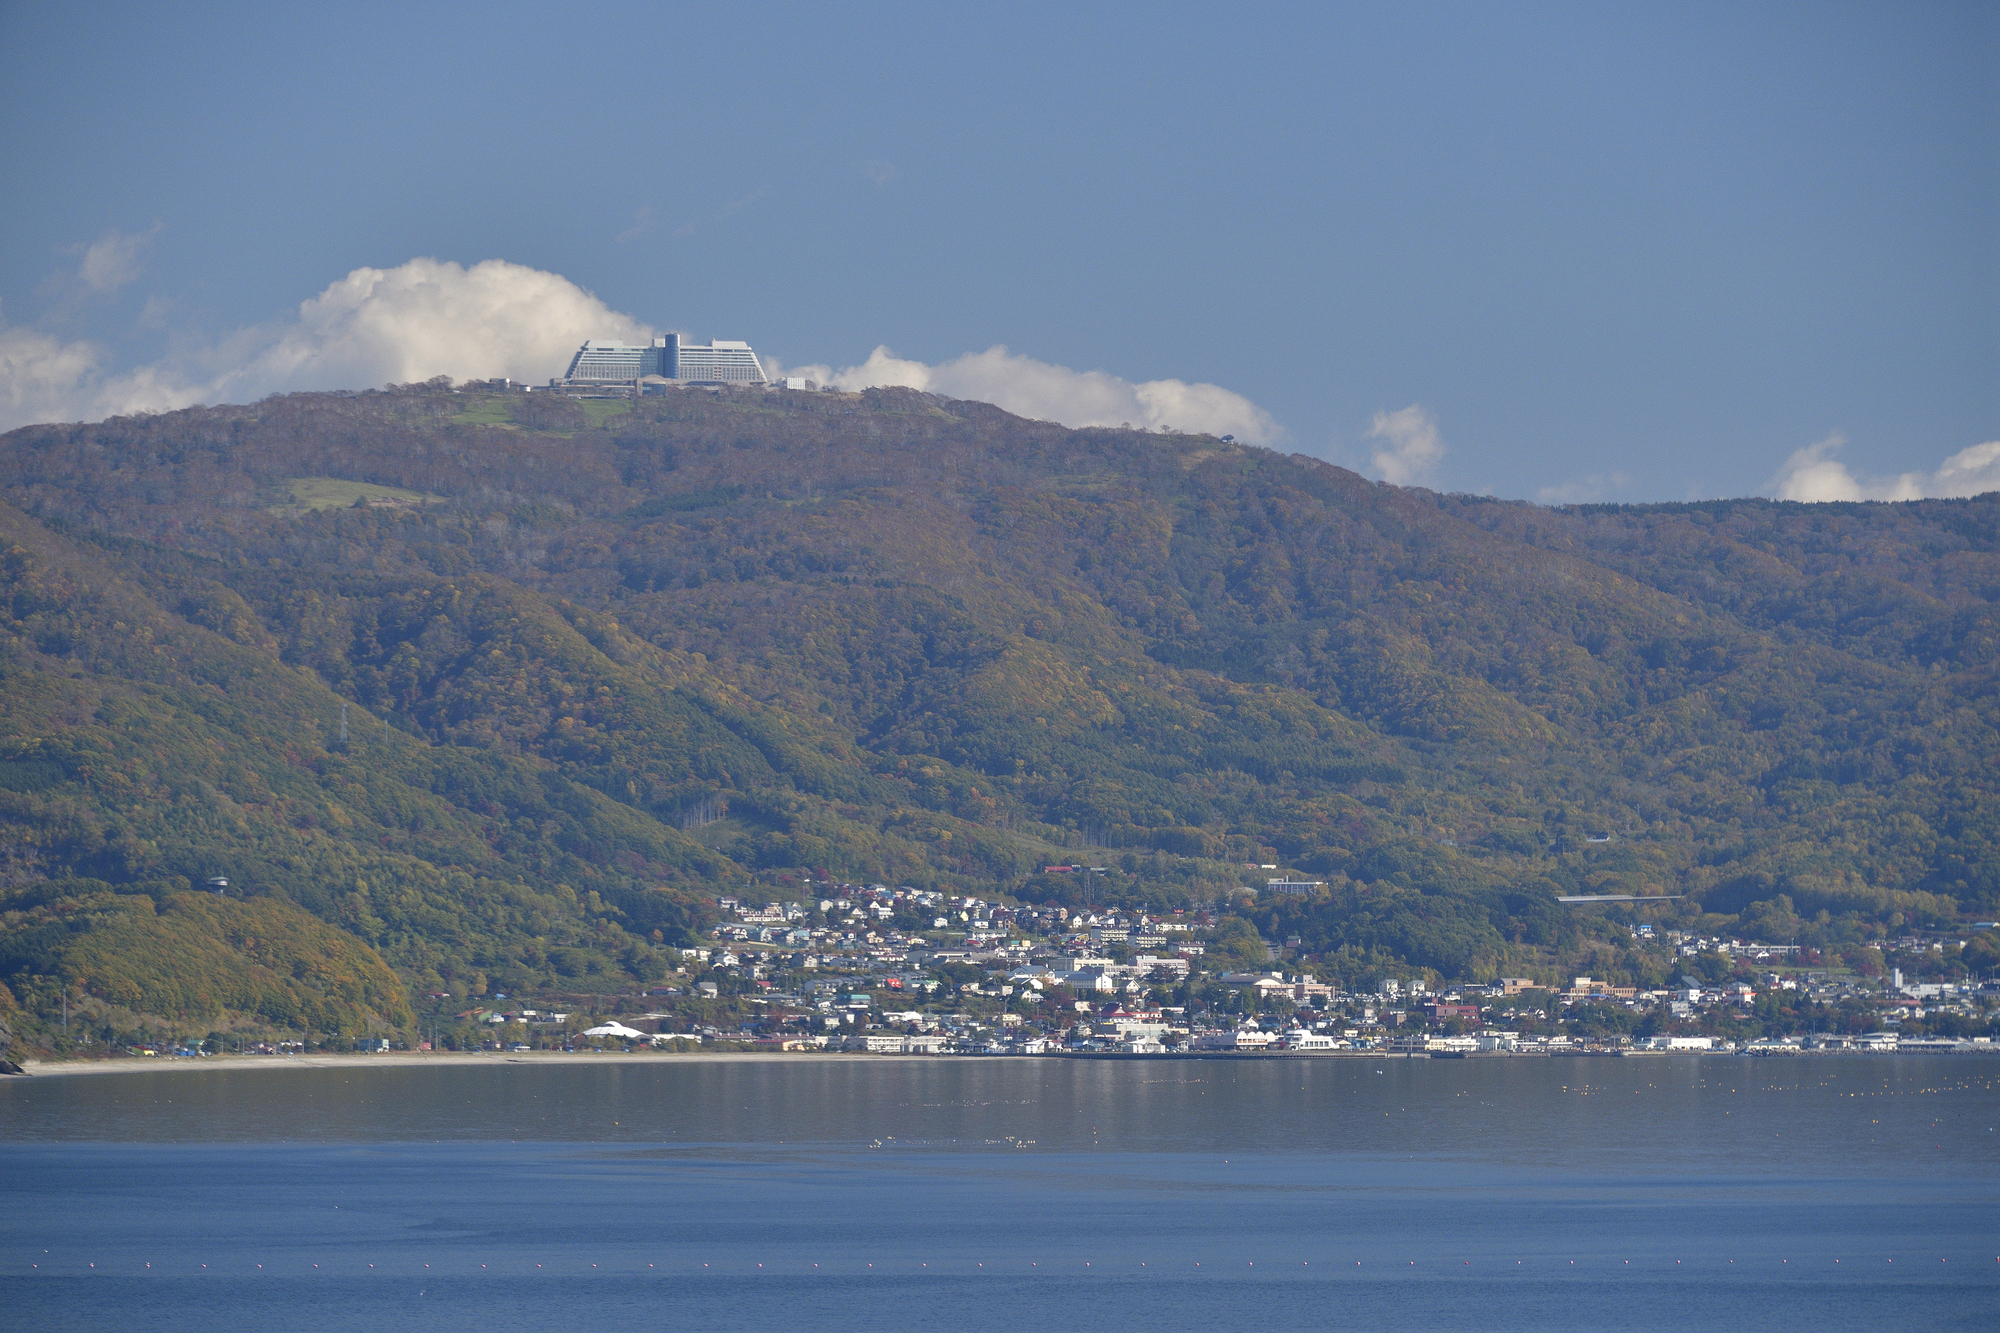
1005,1193
1833,1114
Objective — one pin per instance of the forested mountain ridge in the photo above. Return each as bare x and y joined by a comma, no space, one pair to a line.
891,636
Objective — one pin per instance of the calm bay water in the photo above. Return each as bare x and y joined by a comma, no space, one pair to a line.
1002,1194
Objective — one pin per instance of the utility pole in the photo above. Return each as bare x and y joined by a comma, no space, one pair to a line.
343,722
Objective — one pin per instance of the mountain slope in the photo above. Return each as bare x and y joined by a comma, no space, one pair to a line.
893,636
141,745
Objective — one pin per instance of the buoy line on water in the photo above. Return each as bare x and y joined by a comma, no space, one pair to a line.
923,1266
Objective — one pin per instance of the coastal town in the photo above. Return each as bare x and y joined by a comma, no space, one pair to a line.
882,970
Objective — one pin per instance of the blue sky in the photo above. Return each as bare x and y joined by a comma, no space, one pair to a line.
1549,252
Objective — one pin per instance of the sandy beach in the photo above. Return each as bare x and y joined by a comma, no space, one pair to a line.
423,1060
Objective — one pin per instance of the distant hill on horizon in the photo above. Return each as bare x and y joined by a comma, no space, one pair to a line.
603,659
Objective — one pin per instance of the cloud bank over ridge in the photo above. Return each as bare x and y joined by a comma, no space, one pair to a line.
1410,447
423,318
1045,392
1816,474
433,317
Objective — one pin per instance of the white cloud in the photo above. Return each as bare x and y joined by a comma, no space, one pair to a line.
1971,471
427,318
420,319
1031,388
1815,474
38,370
113,262
1411,448
1584,490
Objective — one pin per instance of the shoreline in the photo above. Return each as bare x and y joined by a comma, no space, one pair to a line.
464,1059
422,1060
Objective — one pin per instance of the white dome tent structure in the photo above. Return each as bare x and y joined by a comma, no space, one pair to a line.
618,1030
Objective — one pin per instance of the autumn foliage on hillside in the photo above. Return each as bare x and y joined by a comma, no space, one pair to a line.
199,955
891,636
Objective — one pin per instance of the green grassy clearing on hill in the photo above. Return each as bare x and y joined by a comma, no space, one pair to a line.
314,493
601,410
491,409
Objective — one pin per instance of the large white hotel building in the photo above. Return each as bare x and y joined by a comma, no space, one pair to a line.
610,365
